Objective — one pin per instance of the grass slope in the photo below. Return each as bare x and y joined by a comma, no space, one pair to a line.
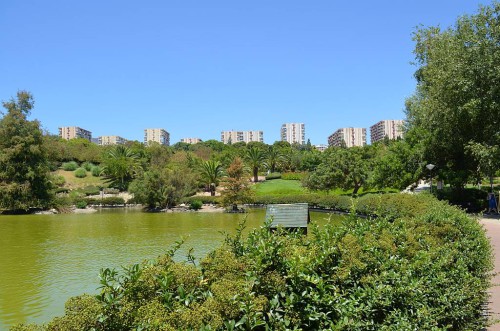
73,182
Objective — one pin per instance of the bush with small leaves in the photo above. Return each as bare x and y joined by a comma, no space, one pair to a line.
70,166
96,171
80,173
195,204
87,166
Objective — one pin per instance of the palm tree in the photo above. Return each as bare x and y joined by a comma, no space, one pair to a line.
120,166
211,172
274,156
255,158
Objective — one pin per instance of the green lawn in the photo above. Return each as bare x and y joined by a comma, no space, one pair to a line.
279,186
282,186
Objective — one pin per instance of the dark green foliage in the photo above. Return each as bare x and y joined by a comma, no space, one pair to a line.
96,171
87,166
70,166
113,201
90,190
24,164
456,102
81,204
203,198
195,204
58,180
292,175
273,175
80,173
422,268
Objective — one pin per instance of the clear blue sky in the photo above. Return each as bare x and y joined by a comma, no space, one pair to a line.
196,68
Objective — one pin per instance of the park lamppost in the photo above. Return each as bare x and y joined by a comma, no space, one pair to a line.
430,166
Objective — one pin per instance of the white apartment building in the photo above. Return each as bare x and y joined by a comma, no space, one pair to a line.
231,137
72,132
293,133
391,129
160,136
191,140
350,136
111,140
321,147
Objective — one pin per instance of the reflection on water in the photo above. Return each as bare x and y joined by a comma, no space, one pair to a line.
46,259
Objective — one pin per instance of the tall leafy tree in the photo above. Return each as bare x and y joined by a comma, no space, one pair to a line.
162,187
255,158
273,157
457,101
211,173
344,168
24,167
236,185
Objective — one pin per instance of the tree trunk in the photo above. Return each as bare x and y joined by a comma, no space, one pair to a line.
356,188
255,175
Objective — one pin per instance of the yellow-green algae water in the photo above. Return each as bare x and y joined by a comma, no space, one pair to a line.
46,259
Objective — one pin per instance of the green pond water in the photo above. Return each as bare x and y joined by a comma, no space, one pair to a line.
46,259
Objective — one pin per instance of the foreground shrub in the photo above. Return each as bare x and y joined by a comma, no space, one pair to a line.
70,166
428,271
80,173
195,204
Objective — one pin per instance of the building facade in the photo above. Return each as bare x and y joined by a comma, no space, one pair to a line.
159,136
111,140
231,137
191,140
391,129
321,147
72,132
293,133
349,136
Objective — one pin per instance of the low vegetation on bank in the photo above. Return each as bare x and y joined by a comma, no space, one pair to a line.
420,265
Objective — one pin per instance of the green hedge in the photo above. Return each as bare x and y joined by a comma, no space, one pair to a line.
205,199
425,266
273,175
70,166
107,201
292,175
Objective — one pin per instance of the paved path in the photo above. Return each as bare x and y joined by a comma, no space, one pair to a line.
492,226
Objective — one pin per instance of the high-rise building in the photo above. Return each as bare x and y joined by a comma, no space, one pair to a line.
391,129
349,136
111,140
231,137
293,133
191,140
160,136
72,132
321,147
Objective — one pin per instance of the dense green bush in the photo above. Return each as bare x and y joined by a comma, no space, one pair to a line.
273,175
80,173
113,201
195,204
58,180
471,199
293,175
426,269
81,204
70,166
90,190
88,166
96,171
107,201
205,199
